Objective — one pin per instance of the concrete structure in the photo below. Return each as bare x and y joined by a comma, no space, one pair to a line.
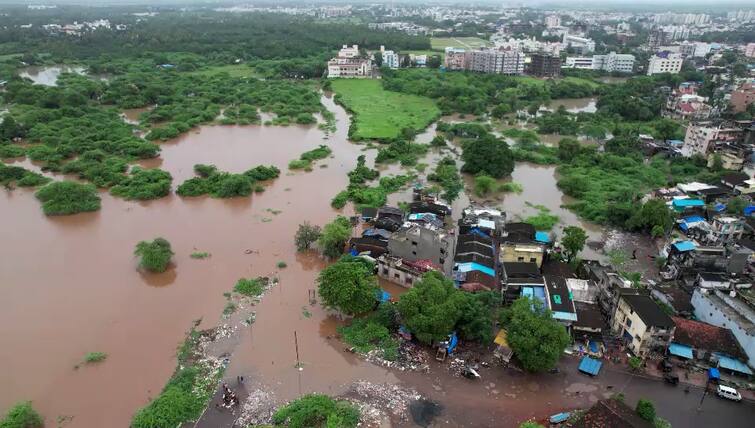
501,61
750,50
612,62
414,242
390,58
742,97
582,45
531,252
456,59
545,65
402,272
552,21
347,64
701,136
642,324
730,160
728,310
665,62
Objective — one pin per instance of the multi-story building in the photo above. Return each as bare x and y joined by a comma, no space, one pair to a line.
700,137
656,38
390,58
750,50
348,64
580,44
612,62
545,65
414,242
742,97
642,324
552,21
665,62
456,59
694,49
500,61
728,310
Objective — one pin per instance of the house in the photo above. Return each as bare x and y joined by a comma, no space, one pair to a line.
475,261
732,160
589,324
733,179
519,243
402,272
642,324
348,64
610,413
414,242
374,246
560,300
522,279
368,214
726,229
728,310
742,97
609,284
699,340
746,188
583,290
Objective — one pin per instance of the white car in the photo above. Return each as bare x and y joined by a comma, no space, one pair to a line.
728,393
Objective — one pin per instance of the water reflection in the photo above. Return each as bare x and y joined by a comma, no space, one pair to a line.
48,75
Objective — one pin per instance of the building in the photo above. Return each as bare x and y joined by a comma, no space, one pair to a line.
545,65
560,300
518,244
402,272
610,413
701,341
750,50
552,21
456,59
742,97
612,63
390,58
609,285
701,136
499,61
413,242
580,45
475,262
728,310
348,64
642,324
665,62
656,38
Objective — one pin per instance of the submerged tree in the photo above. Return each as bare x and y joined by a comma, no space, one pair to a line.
306,235
349,286
22,415
334,236
68,197
154,256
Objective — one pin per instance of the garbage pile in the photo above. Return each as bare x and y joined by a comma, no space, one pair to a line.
410,357
384,397
257,409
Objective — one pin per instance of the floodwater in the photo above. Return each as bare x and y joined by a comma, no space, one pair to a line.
575,105
48,75
70,285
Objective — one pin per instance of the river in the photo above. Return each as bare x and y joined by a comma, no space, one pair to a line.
69,285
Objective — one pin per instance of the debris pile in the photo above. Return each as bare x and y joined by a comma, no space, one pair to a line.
377,398
257,409
410,357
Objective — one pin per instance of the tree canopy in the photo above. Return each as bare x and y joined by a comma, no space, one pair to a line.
154,255
573,241
488,155
349,286
68,197
535,337
334,235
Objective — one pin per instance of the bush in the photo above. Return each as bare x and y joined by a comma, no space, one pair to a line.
154,256
282,265
68,197
22,415
144,184
367,334
317,410
349,286
250,287
645,409
306,235
226,185
95,357
334,236
20,176
483,185
199,255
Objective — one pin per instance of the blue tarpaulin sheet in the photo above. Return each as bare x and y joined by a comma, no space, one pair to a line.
384,296
590,366
749,210
468,267
687,203
683,246
593,346
452,342
543,237
683,351
713,373
693,219
728,363
719,207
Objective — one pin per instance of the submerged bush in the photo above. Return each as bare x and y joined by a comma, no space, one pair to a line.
224,184
154,256
20,176
22,415
250,287
68,197
144,184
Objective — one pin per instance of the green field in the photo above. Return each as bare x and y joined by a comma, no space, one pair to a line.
383,114
440,43
428,53
580,80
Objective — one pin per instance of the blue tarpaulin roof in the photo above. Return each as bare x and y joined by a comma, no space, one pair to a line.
719,207
534,292
749,210
683,351
728,363
693,219
683,246
713,373
593,346
543,237
468,267
686,203
590,366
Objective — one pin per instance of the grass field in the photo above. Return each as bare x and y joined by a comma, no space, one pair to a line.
380,113
579,80
428,53
440,43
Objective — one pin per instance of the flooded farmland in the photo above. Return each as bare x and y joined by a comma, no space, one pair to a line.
69,285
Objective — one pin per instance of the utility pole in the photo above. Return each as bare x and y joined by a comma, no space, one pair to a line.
296,344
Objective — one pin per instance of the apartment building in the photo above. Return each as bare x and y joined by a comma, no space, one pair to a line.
642,324
580,44
456,59
390,58
545,65
508,61
612,62
665,62
348,64
701,136
742,97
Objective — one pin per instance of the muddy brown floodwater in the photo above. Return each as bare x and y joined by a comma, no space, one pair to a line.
48,75
69,285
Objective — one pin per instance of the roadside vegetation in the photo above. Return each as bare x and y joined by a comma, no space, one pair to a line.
155,255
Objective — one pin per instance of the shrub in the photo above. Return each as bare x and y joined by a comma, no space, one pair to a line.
226,185
483,184
317,410
144,184
250,287
299,164
21,176
154,256
282,265
367,334
95,357
511,187
199,255
645,409
22,415
68,197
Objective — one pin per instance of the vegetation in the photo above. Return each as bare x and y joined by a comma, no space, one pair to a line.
367,334
368,196
250,287
487,155
535,337
68,197
381,114
317,411
349,286
144,184
220,184
22,415
154,256
543,220
307,158
200,255
334,236
281,265
10,175
530,424
447,176
306,235
645,409
187,392
573,241
95,357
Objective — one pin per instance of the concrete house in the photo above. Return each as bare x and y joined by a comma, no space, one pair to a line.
728,310
642,324
414,242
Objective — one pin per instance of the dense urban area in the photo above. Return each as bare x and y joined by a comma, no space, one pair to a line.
315,214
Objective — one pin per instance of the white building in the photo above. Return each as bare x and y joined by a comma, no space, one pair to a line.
665,62
390,58
612,62
348,64
552,21
581,44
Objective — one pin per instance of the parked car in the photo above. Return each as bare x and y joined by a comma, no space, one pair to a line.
728,393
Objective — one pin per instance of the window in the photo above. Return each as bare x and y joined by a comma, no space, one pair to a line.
414,253
408,280
533,260
414,243
520,259
443,251
629,323
397,276
385,271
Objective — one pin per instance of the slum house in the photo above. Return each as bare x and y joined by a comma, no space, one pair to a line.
389,218
475,262
695,340
677,296
416,242
369,245
733,179
403,272
439,210
589,328
368,214
642,324
522,279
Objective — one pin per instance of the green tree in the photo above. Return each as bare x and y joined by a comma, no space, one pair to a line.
483,184
154,256
317,411
736,205
487,155
535,337
653,213
306,235
645,409
573,241
568,149
433,61
379,59
22,415
718,164
68,197
349,285
334,236
431,308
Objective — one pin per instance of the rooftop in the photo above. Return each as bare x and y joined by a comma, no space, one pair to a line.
649,311
561,299
700,335
588,316
611,413
521,270
732,310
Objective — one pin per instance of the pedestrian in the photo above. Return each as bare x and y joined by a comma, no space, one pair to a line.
240,379
634,254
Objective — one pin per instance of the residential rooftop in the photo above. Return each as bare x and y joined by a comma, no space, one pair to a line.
649,311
